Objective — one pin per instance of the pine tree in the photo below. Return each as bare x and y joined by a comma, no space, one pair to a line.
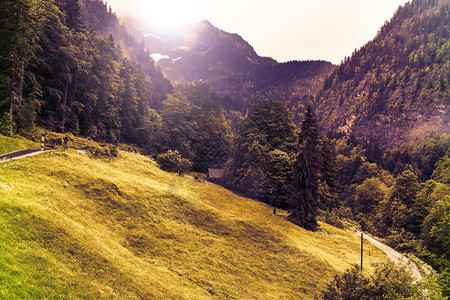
258,163
71,9
20,31
306,170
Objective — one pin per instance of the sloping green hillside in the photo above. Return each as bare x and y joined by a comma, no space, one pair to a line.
74,227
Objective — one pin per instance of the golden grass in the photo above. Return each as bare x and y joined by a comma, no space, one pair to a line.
9,144
124,229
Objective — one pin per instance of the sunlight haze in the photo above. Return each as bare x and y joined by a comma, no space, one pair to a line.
284,30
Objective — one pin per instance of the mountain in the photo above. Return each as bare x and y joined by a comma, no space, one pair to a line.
200,51
394,89
229,64
79,227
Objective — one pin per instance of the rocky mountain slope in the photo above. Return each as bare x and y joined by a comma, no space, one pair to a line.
395,89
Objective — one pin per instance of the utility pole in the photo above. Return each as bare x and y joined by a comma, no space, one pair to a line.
362,248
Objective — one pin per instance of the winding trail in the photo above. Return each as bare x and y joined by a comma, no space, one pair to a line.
392,254
22,154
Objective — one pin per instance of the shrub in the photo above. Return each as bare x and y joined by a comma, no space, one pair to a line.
172,161
332,218
105,151
5,124
388,282
350,285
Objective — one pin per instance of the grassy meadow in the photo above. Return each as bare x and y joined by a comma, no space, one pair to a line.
75,227
10,144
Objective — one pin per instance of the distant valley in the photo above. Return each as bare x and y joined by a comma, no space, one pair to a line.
200,52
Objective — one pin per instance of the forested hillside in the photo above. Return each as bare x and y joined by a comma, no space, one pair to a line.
395,88
400,195
58,73
97,16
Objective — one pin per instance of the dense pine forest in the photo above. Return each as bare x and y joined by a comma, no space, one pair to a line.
57,72
370,150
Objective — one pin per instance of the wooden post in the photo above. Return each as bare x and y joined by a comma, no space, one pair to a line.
362,248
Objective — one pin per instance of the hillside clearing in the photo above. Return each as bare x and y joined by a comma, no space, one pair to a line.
75,227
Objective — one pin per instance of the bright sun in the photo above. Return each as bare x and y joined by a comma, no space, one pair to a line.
168,14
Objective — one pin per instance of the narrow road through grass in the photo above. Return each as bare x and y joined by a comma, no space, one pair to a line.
22,153
392,254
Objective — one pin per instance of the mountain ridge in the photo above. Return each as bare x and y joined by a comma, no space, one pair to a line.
229,64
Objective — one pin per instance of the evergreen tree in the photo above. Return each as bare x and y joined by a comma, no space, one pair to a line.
305,199
71,9
56,66
280,178
21,24
258,165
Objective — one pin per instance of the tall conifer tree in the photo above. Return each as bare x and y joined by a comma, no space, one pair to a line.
260,151
306,175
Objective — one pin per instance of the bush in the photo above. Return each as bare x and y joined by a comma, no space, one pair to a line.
171,161
388,282
350,285
332,218
105,151
5,124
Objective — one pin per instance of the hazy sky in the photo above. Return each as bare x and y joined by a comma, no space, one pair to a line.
282,29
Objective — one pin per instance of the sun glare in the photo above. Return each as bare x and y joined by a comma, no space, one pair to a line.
166,14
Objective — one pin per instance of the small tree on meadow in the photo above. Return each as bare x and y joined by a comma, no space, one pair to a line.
171,161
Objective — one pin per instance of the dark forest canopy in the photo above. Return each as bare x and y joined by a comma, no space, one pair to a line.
57,73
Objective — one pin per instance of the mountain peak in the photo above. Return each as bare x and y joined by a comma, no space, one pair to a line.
206,22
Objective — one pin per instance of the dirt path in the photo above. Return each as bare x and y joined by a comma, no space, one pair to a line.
392,254
22,153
